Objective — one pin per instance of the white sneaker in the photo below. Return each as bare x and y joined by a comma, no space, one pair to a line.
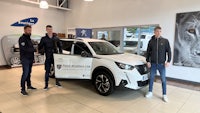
165,99
149,95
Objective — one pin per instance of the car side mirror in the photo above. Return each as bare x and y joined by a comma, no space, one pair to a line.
85,54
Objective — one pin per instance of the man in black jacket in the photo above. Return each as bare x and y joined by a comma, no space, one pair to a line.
27,58
158,49
51,44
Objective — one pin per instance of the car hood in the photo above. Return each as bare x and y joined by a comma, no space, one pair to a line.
126,58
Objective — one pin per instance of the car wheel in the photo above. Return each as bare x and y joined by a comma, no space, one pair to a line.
103,83
40,59
15,61
36,59
52,72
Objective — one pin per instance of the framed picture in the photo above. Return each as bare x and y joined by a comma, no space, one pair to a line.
187,39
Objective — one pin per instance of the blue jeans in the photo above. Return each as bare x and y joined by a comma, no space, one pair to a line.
162,71
26,75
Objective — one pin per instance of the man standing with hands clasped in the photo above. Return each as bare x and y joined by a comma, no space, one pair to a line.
158,49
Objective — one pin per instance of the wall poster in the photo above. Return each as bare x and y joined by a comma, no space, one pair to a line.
187,40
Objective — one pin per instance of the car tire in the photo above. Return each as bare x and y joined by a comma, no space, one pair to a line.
104,84
15,61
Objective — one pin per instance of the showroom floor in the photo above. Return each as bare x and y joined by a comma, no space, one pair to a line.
79,96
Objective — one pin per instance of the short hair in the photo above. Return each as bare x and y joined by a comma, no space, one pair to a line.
27,26
49,26
157,27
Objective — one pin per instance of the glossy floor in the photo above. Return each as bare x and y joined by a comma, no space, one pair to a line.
79,96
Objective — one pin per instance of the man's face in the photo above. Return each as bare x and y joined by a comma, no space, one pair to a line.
49,30
28,31
157,32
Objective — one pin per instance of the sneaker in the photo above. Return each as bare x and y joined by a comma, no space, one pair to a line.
46,88
165,99
24,93
58,85
149,95
31,88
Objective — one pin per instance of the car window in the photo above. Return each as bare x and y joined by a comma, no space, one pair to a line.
79,47
67,45
104,48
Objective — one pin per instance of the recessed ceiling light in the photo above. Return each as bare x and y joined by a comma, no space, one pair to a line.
44,4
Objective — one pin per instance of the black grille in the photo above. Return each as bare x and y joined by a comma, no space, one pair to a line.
143,83
142,69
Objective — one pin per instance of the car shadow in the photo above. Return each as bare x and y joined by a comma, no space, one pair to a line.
120,93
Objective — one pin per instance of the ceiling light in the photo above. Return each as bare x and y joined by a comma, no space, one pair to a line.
44,4
89,0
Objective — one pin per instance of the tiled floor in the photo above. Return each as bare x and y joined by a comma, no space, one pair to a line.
79,96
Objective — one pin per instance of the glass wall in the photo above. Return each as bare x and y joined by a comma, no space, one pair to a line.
130,39
136,38
113,35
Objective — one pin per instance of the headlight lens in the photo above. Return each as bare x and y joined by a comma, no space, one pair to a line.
124,66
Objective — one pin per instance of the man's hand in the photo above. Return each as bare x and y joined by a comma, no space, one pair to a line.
148,64
167,64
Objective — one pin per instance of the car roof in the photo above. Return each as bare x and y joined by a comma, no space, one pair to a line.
84,40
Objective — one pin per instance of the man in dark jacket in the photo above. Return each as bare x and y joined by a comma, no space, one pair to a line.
158,49
51,44
27,58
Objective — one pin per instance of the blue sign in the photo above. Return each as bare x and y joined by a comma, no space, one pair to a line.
27,21
83,33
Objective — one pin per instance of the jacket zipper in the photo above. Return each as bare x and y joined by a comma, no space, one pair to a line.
157,52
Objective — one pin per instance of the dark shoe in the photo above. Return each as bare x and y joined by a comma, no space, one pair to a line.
46,88
24,93
58,85
32,88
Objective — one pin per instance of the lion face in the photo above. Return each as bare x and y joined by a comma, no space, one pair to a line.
187,43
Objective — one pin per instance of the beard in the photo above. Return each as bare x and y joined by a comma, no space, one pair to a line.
29,34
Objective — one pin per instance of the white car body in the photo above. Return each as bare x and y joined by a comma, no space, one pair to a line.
71,66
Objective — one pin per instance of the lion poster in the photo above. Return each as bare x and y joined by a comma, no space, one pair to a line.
187,40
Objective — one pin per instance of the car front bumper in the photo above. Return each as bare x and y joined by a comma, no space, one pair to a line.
133,79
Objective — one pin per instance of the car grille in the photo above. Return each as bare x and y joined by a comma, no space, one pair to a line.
143,83
142,69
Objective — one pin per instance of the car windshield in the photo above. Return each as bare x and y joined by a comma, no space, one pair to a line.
104,48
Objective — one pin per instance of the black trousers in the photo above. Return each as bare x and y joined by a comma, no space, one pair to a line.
48,63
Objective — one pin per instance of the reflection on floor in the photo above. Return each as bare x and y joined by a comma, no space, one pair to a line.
79,96
181,84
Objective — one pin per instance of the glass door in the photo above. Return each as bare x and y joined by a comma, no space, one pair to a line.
130,41
113,35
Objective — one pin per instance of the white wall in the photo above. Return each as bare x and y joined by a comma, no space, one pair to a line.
109,13
14,11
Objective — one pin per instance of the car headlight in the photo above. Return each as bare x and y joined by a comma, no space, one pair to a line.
124,66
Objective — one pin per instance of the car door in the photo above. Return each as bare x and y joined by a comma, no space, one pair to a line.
73,66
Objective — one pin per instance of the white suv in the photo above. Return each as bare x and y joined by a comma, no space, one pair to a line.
101,62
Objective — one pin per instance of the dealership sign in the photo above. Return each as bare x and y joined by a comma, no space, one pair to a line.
27,21
83,33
